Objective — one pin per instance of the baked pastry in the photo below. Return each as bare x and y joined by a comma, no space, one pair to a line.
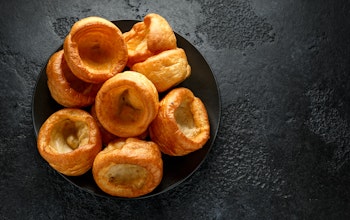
69,140
95,49
126,104
65,88
149,37
182,124
128,168
108,136
165,69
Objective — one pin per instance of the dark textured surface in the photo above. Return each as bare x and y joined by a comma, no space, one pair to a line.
283,148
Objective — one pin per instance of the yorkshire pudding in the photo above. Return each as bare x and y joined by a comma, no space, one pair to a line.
149,37
65,88
181,125
126,104
69,140
128,168
95,49
165,69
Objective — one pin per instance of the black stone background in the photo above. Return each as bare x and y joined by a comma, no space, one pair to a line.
283,148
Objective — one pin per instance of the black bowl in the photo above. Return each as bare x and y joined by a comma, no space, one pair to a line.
176,169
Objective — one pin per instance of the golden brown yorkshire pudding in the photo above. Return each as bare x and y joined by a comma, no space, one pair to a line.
69,140
128,168
95,49
65,88
165,69
181,125
108,136
149,37
126,104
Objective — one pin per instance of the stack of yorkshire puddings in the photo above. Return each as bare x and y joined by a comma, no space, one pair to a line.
118,77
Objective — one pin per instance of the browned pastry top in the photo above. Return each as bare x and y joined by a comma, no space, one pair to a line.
69,140
95,49
128,167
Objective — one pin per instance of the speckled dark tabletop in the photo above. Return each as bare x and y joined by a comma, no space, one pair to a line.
283,147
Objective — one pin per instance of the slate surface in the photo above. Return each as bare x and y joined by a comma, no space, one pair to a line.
282,151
